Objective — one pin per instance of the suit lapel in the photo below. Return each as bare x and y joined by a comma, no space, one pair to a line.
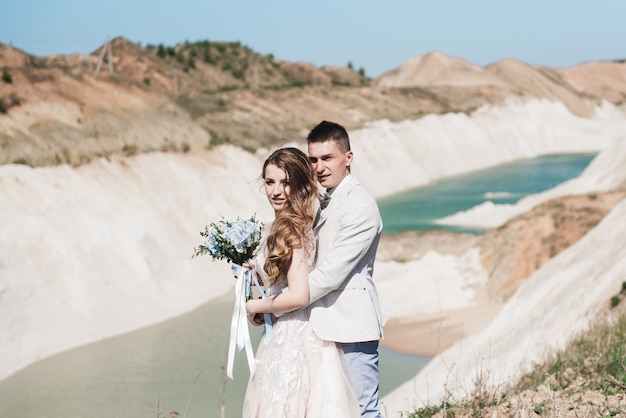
338,197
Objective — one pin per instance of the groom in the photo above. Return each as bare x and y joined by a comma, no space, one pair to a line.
344,305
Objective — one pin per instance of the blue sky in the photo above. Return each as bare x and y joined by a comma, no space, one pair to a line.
376,36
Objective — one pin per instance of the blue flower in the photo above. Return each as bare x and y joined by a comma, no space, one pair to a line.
211,242
236,241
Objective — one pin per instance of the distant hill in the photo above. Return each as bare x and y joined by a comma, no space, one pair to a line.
438,69
579,88
605,79
125,98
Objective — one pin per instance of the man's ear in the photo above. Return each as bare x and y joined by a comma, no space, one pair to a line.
349,157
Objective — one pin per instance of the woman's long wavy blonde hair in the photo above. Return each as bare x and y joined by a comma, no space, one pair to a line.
292,224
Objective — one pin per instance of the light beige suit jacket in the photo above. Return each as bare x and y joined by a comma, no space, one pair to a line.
344,305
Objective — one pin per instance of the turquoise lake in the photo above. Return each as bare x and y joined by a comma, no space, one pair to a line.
416,209
178,364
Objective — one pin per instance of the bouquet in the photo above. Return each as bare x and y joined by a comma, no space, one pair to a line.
237,241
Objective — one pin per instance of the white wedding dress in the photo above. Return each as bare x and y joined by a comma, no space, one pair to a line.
297,374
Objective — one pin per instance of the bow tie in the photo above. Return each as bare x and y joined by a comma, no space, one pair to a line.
324,200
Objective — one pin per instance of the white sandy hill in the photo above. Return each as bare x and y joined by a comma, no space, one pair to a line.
557,301
93,251
391,157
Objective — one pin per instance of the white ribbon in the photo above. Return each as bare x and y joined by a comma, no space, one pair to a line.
267,318
239,333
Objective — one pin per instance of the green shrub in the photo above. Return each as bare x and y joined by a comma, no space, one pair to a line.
191,63
20,161
180,57
615,300
207,56
15,100
129,149
6,77
35,62
430,411
217,139
161,51
239,74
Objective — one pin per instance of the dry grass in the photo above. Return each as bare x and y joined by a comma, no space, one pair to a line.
586,379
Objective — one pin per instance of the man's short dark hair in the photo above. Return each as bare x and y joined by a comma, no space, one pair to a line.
330,131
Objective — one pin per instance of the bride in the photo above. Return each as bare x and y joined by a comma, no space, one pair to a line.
297,374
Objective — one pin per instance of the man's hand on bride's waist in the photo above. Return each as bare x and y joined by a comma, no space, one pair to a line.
258,319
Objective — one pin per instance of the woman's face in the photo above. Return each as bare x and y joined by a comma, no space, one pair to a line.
276,186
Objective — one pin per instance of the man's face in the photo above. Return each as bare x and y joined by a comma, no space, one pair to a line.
331,165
